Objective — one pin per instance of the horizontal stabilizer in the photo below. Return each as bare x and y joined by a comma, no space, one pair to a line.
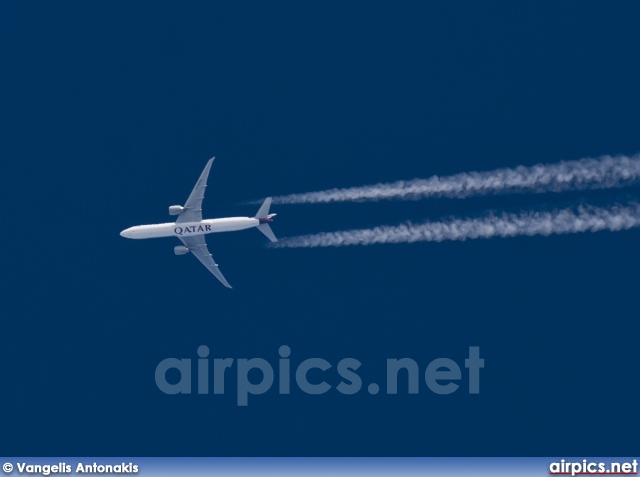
263,212
265,229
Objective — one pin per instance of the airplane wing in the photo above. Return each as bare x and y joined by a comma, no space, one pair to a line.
198,247
193,206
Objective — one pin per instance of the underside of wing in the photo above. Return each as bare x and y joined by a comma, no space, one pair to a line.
198,247
193,207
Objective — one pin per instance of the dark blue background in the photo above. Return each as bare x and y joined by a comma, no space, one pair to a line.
110,110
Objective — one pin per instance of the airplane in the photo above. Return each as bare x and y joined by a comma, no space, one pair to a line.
191,229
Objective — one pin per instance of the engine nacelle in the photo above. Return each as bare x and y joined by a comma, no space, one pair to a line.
180,250
176,210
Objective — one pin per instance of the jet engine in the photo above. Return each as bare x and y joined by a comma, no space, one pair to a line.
176,210
180,250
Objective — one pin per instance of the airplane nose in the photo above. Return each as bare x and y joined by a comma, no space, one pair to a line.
125,233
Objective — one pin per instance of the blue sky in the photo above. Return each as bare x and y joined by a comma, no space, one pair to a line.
110,111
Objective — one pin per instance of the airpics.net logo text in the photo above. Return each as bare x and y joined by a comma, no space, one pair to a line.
256,376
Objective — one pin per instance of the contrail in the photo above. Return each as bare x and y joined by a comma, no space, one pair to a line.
562,221
601,173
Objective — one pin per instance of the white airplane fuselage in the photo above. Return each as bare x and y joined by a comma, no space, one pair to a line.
187,229
190,228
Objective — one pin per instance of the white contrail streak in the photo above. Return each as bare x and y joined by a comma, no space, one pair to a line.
563,221
601,173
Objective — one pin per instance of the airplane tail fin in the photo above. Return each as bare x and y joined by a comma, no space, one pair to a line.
265,217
